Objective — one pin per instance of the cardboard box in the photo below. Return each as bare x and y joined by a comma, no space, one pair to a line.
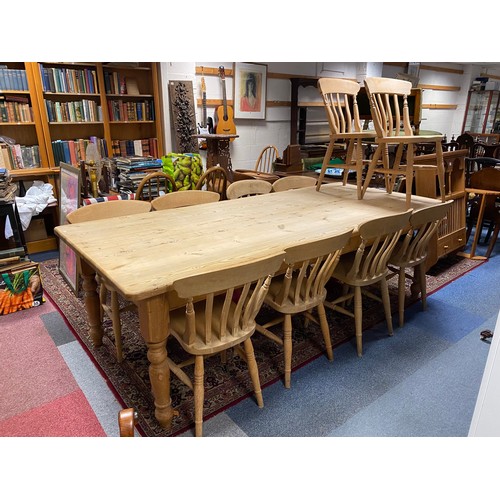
20,287
36,230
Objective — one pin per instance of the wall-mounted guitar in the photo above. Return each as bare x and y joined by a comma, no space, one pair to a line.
224,114
207,125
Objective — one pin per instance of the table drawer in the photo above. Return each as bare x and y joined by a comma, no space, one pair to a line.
451,242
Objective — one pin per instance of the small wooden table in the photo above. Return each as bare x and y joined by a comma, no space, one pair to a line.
218,151
142,255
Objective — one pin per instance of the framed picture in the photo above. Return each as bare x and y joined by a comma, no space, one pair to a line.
69,200
70,186
250,90
68,266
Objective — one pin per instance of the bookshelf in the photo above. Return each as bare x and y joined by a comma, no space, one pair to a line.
117,105
22,122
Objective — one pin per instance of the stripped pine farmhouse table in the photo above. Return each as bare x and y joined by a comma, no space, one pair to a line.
142,255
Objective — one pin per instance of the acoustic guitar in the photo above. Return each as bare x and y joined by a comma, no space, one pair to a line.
206,126
224,114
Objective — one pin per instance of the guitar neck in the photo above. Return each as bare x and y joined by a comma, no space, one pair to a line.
204,109
224,99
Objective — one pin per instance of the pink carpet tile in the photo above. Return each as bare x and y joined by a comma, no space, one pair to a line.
38,393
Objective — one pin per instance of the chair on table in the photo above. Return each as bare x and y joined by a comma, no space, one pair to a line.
412,252
486,179
389,109
214,179
223,317
302,288
247,187
293,182
367,266
340,99
107,210
154,185
177,199
266,159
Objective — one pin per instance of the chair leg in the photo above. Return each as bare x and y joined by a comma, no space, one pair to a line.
387,304
117,328
254,371
326,331
199,395
420,272
326,162
401,295
358,319
287,348
371,168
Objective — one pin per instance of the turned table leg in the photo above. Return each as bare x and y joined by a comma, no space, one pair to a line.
154,324
92,304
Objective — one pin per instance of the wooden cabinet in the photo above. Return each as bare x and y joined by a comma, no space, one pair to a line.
451,231
482,111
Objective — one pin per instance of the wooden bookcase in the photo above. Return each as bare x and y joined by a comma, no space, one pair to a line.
26,133
97,96
144,85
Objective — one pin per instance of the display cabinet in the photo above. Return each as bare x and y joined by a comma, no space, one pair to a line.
481,112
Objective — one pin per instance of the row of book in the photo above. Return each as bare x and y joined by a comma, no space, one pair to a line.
15,156
137,147
69,80
128,111
118,83
74,151
12,79
85,110
14,109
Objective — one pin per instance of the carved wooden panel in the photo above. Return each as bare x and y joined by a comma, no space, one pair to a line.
183,116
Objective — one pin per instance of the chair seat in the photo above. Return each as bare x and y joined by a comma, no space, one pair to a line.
396,139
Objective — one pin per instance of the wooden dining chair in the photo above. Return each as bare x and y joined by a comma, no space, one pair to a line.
412,252
154,185
178,199
127,420
368,266
248,187
223,317
293,182
214,179
301,289
389,109
110,306
340,100
266,159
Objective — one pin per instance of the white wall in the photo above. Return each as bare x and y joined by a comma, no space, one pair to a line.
275,129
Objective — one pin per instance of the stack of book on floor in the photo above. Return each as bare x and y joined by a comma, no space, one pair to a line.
132,169
7,188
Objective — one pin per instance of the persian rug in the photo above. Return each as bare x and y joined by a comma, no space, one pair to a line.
225,384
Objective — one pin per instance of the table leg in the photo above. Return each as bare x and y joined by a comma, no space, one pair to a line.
154,321
92,304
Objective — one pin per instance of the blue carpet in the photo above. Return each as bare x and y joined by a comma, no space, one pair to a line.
423,381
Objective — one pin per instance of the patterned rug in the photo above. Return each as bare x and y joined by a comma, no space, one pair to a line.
225,384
